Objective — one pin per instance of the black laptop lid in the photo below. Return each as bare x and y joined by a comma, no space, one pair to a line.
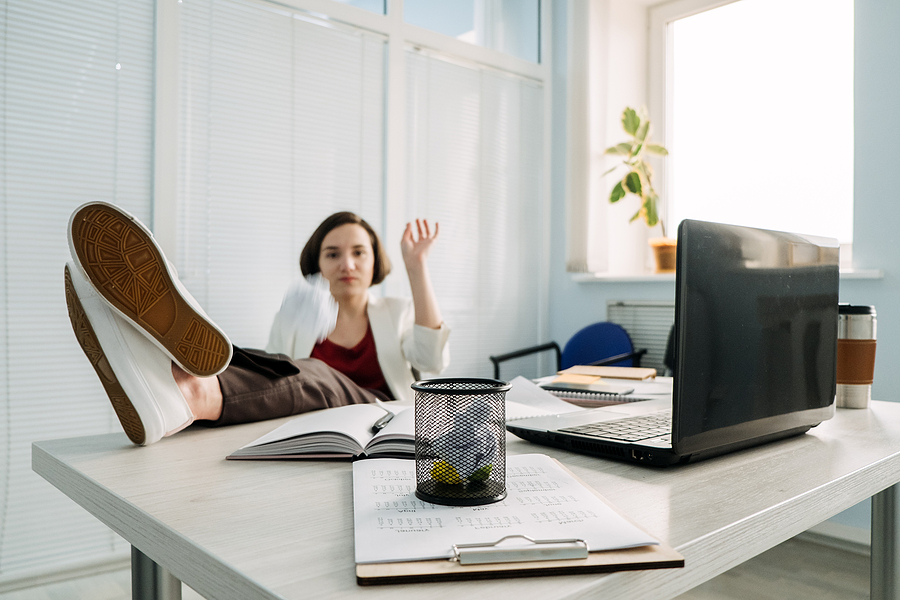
755,333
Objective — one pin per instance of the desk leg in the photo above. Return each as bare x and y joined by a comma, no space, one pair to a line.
885,569
149,581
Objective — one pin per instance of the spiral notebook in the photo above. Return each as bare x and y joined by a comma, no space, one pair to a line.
608,391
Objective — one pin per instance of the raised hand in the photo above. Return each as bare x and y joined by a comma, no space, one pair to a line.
415,248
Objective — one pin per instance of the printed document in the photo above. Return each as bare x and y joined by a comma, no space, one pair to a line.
544,501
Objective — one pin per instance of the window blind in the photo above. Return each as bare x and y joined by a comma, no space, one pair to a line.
474,165
281,124
76,98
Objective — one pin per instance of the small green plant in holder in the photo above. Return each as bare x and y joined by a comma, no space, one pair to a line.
638,177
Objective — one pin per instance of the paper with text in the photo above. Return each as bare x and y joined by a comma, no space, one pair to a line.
544,502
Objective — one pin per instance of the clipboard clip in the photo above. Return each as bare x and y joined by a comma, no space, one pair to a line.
492,552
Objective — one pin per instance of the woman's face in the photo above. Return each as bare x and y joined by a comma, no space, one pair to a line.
347,261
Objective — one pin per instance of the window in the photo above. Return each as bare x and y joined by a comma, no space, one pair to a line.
752,98
375,6
510,26
759,116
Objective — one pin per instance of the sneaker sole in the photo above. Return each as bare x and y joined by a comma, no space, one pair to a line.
87,339
123,263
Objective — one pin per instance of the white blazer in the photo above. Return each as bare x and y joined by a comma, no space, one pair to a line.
400,343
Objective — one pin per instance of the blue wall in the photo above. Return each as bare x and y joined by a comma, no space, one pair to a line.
876,190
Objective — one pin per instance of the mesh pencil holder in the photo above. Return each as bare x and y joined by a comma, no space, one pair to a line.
461,440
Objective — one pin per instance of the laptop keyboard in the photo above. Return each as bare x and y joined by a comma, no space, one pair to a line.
631,429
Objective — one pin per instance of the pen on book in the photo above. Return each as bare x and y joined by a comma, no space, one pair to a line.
380,423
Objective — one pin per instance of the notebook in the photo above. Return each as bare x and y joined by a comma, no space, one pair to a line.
635,391
755,353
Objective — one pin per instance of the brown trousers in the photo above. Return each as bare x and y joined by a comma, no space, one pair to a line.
257,386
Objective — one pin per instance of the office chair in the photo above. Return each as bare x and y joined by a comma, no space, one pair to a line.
669,357
598,344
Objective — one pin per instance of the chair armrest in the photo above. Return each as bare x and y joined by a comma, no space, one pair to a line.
636,355
499,358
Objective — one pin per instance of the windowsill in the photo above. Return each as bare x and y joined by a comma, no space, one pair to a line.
670,277
609,278
862,274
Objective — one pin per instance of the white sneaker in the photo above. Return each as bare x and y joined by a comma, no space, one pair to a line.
123,262
136,375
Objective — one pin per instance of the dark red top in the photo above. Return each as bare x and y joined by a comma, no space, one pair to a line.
359,363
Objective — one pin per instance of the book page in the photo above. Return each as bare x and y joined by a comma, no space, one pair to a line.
402,426
525,393
544,502
354,421
398,436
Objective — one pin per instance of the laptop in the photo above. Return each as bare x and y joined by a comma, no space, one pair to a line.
756,315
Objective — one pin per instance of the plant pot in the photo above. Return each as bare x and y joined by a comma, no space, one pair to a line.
664,251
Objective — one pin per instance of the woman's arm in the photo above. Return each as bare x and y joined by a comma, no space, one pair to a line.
415,256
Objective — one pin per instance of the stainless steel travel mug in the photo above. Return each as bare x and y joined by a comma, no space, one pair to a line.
855,355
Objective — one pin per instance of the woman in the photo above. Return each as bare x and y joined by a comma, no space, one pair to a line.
165,364
375,341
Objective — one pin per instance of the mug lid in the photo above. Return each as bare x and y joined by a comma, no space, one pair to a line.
855,309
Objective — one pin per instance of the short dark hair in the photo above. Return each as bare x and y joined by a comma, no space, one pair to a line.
309,257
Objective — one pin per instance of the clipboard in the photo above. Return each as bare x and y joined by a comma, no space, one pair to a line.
539,558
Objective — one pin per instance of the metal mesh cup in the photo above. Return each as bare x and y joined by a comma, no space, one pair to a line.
461,440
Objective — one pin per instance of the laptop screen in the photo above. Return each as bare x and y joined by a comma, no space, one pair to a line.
755,333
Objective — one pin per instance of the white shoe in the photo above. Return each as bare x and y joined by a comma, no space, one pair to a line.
136,375
120,258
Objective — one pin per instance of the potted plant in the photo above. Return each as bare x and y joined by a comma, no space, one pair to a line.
638,180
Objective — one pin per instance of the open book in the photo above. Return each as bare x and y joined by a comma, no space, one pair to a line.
346,431
341,432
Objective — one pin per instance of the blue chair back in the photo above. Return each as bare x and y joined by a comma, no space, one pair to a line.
596,342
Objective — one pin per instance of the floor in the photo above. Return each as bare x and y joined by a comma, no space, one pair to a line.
799,570
796,569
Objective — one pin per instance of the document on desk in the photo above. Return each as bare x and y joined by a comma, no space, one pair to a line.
544,502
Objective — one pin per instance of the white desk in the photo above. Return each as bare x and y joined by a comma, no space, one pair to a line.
245,530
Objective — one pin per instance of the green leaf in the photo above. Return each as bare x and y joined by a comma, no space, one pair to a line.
633,182
657,149
617,193
650,212
635,216
623,149
636,150
630,121
642,131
